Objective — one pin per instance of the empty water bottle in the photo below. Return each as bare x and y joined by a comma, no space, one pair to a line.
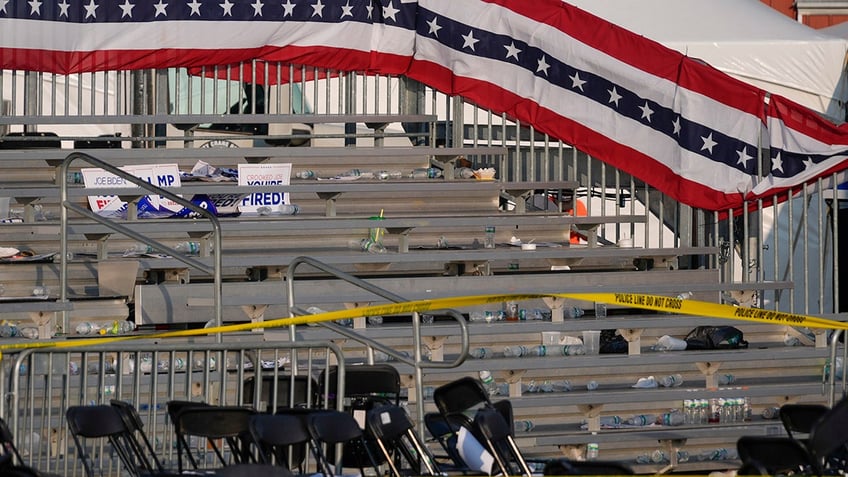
307,174
642,420
610,421
592,385
463,173
515,351
289,209
573,350
523,425
673,418
671,381
29,332
771,412
370,246
724,379
87,328
426,173
188,248
375,320
574,312
138,249
479,353
477,316
561,385
351,173
8,330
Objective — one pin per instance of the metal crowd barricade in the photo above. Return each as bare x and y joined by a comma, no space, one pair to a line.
42,383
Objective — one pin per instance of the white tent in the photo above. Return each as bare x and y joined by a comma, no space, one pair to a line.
745,39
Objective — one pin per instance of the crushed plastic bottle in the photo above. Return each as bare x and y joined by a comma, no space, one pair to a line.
370,246
29,332
592,385
375,320
669,343
289,209
188,248
725,379
306,174
671,381
138,249
87,328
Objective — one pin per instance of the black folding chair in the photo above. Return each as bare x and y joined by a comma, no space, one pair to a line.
586,467
329,428
282,439
828,441
798,419
90,425
286,391
499,442
135,427
212,424
365,386
459,399
774,455
401,447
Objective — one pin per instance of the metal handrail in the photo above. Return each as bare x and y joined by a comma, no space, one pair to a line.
416,362
829,375
215,271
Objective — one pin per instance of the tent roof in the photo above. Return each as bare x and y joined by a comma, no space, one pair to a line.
743,38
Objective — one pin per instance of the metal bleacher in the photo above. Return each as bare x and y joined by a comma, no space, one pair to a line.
434,230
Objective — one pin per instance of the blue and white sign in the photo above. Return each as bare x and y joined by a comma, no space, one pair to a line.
264,175
162,175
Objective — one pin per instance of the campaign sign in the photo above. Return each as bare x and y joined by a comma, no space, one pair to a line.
264,174
162,175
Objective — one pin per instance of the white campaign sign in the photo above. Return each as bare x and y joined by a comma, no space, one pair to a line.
162,175
264,174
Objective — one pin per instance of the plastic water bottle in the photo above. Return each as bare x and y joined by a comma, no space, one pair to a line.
188,248
671,381
8,330
29,332
673,418
523,425
138,249
574,312
351,173
375,320
559,386
463,173
488,382
592,385
480,353
592,451
610,421
307,174
87,328
573,350
370,246
771,413
289,209
515,351
725,379
642,420
490,237
426,173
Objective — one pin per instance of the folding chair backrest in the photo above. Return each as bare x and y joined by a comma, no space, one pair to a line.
460,396
378,383
395,435
305,392
282,439
800,418
495,432
828,438
135,427
777,455
329,427
88,424
213,423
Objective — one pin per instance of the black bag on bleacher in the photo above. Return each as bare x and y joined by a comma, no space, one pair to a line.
612,342
715,337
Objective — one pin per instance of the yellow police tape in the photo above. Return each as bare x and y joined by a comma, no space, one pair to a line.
629,300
